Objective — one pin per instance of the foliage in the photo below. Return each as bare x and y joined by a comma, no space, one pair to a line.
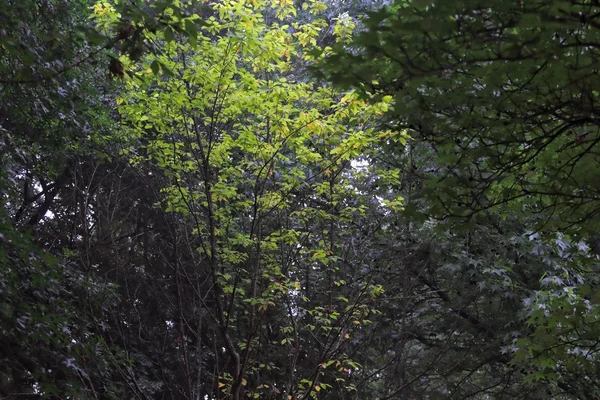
215,223
49,321
259,168
52,311
44,40
501,95
475,82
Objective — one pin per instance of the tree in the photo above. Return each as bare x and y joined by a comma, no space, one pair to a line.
50,307
503,91
44,40
186,213
500,100
260,293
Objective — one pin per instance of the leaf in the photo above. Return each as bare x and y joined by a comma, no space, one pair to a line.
94,37
168,33
166,70
190,28
155,67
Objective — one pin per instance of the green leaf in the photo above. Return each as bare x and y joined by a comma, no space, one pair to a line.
155,66
168,33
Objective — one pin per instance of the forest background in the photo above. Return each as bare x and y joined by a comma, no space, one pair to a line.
286,199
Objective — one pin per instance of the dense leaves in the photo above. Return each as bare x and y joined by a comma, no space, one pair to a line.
502,98
504,91
259,167
216,223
